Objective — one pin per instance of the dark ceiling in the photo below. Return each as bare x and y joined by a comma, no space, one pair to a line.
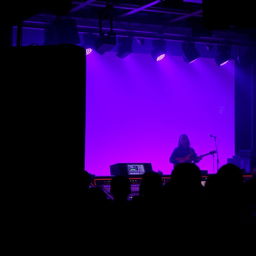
168,19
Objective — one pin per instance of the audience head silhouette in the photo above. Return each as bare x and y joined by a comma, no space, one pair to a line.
230,175
151,185
186,175
85,180
120,188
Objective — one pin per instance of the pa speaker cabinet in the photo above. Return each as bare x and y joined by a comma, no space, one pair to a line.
43,124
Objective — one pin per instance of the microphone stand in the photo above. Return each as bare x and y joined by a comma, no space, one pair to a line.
217,153
213,162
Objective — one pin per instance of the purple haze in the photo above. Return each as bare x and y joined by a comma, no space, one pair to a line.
137,108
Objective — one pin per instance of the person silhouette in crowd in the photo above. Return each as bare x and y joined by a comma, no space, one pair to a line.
120,215
150,194
120,189
185,183
151,186
85,179
250,199
184,203
225,201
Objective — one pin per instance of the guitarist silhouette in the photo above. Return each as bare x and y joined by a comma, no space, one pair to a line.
184,153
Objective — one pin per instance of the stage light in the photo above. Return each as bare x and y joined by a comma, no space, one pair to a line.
88,43
88,51
160,57
190,52
223,63
193,60
105,42
159,50
124,47
223,55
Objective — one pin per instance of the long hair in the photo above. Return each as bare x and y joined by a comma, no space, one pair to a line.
184,138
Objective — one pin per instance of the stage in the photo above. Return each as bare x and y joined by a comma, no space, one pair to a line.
104,183
138,107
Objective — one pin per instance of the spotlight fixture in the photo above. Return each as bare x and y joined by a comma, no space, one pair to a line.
223,55
124,47
89,43
224,62
88,51
190,52
160,57
159,50
105,42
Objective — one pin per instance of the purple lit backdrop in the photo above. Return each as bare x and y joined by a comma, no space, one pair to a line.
137,108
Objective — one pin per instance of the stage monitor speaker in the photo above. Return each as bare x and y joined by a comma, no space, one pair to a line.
130,169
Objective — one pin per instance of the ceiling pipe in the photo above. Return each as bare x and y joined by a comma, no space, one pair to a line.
81,6
186,16
132,7
147,34
141,8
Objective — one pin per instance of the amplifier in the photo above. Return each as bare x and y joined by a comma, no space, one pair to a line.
130,169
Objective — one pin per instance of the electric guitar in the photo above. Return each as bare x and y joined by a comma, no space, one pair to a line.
189,157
